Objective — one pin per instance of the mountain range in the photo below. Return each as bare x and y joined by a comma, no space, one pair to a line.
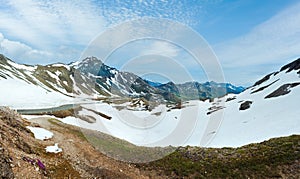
91,78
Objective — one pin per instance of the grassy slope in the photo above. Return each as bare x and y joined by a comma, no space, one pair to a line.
269,159
274,158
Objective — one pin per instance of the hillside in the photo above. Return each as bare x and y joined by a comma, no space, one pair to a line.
276,158
23,156
267,109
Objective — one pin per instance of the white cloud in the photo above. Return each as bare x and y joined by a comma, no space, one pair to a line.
20,51
273,42
48,25
1,37
161,48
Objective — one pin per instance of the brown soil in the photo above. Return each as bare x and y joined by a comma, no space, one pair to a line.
82,156
79,159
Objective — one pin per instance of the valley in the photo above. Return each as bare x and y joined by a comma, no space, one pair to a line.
139,130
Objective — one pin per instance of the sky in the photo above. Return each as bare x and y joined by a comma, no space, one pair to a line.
246,39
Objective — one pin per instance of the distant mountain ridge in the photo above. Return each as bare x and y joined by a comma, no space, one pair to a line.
92,78
131,84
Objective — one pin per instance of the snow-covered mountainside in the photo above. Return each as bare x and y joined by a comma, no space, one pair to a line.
266,110
25,86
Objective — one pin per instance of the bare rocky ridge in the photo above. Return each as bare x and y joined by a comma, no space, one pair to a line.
263,79
295,65
264,87
282,90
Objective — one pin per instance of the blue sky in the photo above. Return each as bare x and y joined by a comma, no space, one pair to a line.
250,38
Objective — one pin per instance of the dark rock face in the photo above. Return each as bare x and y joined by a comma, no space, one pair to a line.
263,79
264,87
230,99
295,65
245,105
282,90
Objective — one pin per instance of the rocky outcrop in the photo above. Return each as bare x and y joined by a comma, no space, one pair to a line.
282,90
295,65
245,105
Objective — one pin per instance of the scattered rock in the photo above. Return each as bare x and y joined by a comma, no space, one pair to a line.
230,99
214,109
245,105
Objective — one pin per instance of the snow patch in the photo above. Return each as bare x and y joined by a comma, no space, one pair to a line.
40,133
18,94
53,149
19,66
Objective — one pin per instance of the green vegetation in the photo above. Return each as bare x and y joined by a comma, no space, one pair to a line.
62,169
75,131
123,150
255,160
114,147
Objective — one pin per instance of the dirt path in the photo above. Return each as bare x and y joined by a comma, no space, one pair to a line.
83,157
